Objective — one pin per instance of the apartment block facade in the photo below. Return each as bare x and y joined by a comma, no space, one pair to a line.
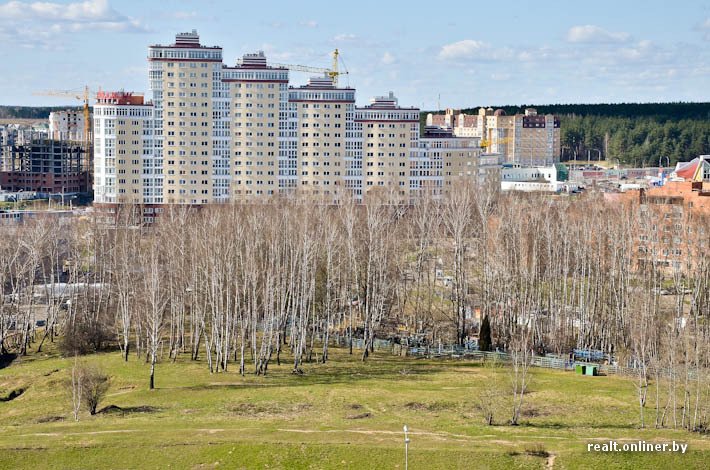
525,139
442,159
257,96
322,114
123,145
213,133
388,139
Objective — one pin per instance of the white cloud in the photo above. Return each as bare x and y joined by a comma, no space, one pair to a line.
388,59
473,49
593,33
462,49
345,37
78,11
56,18
309,23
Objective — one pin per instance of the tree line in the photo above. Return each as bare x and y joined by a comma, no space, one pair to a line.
635,141
244,286
30,112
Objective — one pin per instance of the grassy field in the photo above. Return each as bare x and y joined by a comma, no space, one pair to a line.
344,414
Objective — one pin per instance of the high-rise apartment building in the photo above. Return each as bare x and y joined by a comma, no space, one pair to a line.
389,139
526,139
321,113
123,149
259,102
214,133
187,157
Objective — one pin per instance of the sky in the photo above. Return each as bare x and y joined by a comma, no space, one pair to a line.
432,55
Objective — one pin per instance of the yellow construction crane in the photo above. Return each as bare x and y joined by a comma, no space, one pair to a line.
332,72
87,123
488,143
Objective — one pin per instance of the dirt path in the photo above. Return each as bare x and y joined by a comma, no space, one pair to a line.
551,461
437,435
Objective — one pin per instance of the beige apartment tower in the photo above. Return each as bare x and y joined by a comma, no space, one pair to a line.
259,98
123,143
321,114
389,140
182,79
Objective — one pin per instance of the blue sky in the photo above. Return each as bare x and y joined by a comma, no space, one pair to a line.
470,53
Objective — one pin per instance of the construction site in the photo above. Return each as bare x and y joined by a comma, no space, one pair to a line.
46,166
53,161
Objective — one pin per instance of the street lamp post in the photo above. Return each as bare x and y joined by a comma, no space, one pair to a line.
668,161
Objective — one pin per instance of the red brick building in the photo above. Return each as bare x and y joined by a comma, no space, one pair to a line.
674,219
45,166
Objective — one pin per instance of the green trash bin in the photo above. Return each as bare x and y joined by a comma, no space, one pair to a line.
592,369
578,369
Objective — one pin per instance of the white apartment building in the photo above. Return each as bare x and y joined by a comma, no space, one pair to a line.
66,125
123,149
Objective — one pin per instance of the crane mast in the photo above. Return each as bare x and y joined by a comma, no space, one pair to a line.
88,161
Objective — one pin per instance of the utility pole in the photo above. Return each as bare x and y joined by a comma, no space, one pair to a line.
406,449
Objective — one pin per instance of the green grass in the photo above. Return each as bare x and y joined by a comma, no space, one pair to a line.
344,414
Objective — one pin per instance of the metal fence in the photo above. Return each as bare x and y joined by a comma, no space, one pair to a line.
459,352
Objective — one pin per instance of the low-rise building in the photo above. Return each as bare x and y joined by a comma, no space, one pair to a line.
674,218
552,178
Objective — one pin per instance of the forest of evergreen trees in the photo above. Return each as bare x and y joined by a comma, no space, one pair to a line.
30,112
638,134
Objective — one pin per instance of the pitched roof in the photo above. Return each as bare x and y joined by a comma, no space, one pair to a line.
687,170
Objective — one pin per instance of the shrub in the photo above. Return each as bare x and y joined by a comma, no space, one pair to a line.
95,386
484,337
84,335
87,387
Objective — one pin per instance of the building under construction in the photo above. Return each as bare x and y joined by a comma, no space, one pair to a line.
46,166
